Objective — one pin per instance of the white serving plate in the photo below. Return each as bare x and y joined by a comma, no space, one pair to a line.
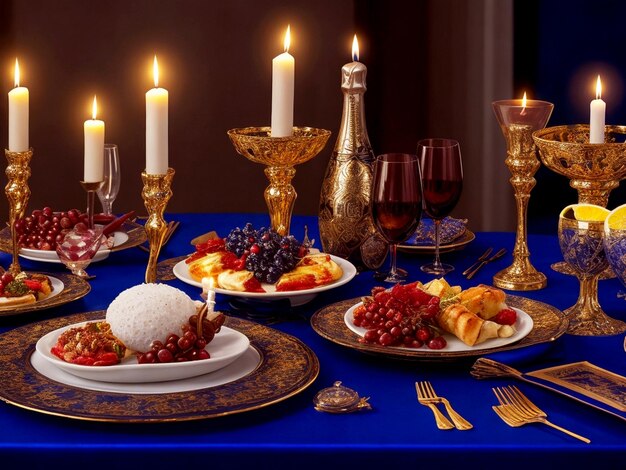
295,297
227,346
236,370
57,288
523,326
50,256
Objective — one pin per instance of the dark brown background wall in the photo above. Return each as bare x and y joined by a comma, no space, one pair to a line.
424,59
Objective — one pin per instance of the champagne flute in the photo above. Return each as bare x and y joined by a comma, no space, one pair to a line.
442,182
396,202
111,185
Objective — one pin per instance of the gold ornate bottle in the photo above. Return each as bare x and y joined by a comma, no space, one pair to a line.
345,220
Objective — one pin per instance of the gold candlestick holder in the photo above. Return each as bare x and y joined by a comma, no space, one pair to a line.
594,170
156,193
91,187
280,155
518,122
18,193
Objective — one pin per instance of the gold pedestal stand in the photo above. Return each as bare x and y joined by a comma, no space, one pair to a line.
280,155
156,194
518,120
18,193
523,164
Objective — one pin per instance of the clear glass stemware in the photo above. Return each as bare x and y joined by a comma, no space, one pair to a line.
442,183
111,185
78,248
396,202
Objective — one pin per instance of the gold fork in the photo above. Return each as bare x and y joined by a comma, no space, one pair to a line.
428,393
442,421
516,409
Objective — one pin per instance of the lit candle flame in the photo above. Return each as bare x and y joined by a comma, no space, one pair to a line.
17,73
355,49
155,72
94,108
598,88
287,38
524,100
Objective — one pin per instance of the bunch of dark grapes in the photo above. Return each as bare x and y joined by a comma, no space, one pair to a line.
403,316
266,253
188,347
44,228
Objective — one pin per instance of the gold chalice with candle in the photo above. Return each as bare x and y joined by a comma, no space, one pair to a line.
157,177
594,160
518,120
18,157
282,146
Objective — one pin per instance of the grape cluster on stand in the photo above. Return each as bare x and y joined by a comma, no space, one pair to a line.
44,228
402,316
265,253
188,347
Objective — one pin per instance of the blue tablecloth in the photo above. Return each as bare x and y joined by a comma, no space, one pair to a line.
398,431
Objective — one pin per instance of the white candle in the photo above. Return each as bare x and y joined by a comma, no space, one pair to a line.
283,67
18,115
207,286
156,127
94,147
597,112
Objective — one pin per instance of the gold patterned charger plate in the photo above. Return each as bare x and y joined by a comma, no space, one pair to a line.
133,234
457,244
286,367
67,289
549,323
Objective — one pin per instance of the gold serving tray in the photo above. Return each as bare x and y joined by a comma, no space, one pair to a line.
549,324
287,367
74,288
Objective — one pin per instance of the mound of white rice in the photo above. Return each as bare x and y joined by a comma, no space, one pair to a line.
148,312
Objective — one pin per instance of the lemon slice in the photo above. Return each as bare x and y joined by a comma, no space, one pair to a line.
616,220
587,212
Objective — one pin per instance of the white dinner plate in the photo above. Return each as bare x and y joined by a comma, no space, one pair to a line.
236,370
50,256
57,288
225,348
296,297
523,326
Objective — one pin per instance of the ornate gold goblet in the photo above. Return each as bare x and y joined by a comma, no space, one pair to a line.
582,245
518,122
156,194
594,170
280,155
18,193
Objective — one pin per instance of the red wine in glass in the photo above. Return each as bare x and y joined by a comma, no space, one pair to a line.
396,202
442,182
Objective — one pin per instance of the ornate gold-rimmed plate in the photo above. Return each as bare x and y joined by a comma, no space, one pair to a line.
549,323
457,244
131,235
286,367
67,288
295,297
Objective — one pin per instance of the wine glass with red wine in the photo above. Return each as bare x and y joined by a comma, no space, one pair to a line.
396,202
442,183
